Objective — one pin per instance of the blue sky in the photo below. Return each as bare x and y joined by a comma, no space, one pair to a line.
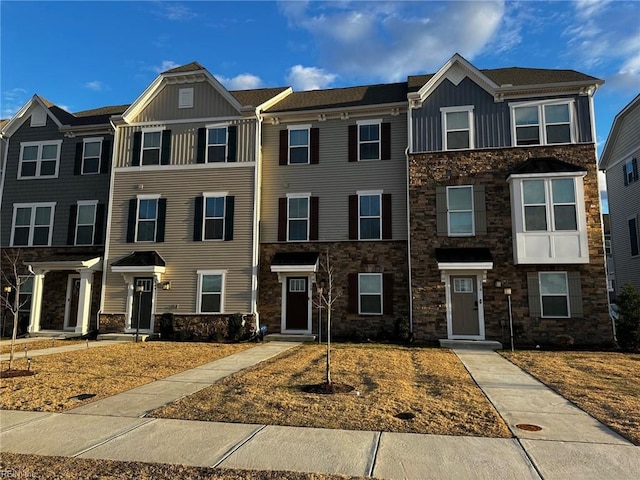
83,55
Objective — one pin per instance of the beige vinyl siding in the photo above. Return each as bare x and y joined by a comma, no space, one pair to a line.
207,102
628,137
184,139
185,257
334,178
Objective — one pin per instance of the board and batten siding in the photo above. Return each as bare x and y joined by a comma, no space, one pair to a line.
66,190
334,178
184,140
184,256
207,102
492,122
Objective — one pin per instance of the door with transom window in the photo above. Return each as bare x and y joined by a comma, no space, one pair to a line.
142,311
297,304
464,306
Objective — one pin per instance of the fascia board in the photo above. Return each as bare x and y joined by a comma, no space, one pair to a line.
516,176
465,266
132,269
362,110
140,102
18,119
605,159
274,100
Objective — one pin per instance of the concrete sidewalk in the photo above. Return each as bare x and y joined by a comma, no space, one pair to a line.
19,349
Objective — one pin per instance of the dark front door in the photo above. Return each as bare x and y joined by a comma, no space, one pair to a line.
297,314
464,306
73,307
142,303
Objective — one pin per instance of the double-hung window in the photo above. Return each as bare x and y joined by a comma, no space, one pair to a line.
147,219
554,294
151,146
216,144
214,213
85,222
630,171
32,224
298,217
549,204
299,146
211,291
460,211
457,127
369,140
39,159
369,215
91,153
542,124
370,293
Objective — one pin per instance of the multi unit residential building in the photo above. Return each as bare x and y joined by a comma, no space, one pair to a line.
619,161
430,197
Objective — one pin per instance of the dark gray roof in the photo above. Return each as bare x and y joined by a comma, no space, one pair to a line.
544,165
189,67
295,258
141,259
343,97
463,255
257,96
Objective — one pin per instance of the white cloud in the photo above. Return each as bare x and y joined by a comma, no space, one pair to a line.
166,65
174,11
244,81
390,40
12,101
309,78
96,85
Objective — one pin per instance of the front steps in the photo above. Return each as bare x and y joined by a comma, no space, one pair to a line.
126,337
289,337
471,344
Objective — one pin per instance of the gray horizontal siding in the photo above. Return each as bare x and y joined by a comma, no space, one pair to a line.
628,136
184,138
184,256
491,119
207,102
65,190
334,178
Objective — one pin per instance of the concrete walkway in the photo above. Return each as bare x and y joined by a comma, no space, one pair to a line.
571,444
19,349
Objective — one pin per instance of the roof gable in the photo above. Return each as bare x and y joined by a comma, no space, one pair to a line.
607,158
25,112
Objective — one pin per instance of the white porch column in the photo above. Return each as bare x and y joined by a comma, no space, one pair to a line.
84,301
36,300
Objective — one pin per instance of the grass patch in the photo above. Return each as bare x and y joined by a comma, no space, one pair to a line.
37,344
103,372
54,468
431,384
603,384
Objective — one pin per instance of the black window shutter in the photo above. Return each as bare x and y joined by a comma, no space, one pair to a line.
105,157
353,217
197,219
575,295
387,223
284,147
232,143
162,213
131,222
202,145
98,229
480,209
353,143
385,136
634,164
353,292
77,167
441,211
282,219
387,286
624,173
228,217
533,287
71,233
313,218
315,146
137,147
165,154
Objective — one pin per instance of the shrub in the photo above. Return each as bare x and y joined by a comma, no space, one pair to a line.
564,340
166,326
628,324
236,327
402,331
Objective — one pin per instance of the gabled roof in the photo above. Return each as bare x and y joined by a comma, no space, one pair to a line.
20,116
189,67
256,97
545,165
606,158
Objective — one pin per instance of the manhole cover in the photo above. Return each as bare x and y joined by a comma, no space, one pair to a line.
528,427
405,415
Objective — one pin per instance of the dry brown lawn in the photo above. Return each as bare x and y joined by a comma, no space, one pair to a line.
56,468
37,344
102,371
606,385
430,383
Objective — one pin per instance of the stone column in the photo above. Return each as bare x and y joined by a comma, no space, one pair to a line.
36,300
84,301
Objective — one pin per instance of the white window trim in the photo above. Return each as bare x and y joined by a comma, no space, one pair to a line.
159,148
542,124
369,193
93,225
473,220
360,275
226,141
222,195
377,122
202,273
185,97
635,219
39,160
32,219
155,229
629,174
566,279
549,204
306,127
84,146
463,108
308,219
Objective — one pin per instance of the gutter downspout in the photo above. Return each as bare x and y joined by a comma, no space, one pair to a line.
257,192
406,154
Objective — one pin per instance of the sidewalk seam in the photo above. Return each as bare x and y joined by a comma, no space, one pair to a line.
237,446
530,459
112,438
374,456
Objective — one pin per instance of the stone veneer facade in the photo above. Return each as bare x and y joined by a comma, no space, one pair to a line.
346,257
490,168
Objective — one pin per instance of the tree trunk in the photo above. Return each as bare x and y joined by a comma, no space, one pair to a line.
328,378
14,334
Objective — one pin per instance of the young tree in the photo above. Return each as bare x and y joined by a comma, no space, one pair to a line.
10,300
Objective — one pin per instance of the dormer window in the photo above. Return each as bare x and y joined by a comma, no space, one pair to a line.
542,123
